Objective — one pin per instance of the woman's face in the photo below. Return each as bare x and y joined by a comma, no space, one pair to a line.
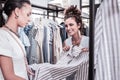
24,15
72,27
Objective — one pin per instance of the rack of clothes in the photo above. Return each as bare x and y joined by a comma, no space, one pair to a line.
45,41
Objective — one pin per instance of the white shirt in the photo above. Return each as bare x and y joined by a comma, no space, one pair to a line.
9,47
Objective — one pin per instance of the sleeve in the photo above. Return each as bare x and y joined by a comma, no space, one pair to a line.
48,71
5,48
98,34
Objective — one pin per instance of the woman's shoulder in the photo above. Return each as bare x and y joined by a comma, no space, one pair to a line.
85,41
2,32
68,41
85,38
4,35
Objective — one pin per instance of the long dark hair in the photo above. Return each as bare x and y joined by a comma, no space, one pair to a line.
75,13
9,6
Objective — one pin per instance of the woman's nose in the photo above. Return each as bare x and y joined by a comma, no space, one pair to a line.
68,27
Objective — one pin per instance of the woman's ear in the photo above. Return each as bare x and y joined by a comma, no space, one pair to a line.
16,12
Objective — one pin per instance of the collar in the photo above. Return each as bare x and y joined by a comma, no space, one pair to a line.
74,51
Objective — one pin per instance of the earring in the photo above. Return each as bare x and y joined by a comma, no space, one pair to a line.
16,17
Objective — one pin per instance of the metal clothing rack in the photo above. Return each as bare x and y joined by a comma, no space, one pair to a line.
91,39
45,15
51,9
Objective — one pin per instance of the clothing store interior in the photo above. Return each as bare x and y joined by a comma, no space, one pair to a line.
46,38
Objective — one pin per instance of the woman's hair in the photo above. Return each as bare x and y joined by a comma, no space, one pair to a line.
75,13
9,6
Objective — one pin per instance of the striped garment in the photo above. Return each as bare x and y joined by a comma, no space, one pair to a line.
72,62
107,37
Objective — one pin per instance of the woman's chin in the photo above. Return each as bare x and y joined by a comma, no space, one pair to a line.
70,34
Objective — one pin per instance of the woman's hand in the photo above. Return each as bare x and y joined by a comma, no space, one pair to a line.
66,48
30,71
85,50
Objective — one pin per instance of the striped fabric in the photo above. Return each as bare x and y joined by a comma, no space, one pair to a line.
107,38
65,67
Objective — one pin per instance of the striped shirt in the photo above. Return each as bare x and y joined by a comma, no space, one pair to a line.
107,46
72,62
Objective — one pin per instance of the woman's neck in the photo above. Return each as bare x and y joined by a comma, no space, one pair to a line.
12,25
76,39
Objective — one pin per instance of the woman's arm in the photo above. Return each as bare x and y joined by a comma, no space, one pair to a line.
6,65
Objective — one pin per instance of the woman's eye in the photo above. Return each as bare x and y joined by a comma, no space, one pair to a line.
65,25
71,24
28,14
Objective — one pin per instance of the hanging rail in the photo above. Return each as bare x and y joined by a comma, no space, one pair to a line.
91,40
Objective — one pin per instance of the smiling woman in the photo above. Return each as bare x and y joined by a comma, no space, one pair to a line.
12,53
79,42
74,28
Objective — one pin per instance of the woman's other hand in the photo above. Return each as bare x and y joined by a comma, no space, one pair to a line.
85,50
66,48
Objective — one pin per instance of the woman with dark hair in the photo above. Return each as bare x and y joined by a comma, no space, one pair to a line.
13,64
76,42
74,28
